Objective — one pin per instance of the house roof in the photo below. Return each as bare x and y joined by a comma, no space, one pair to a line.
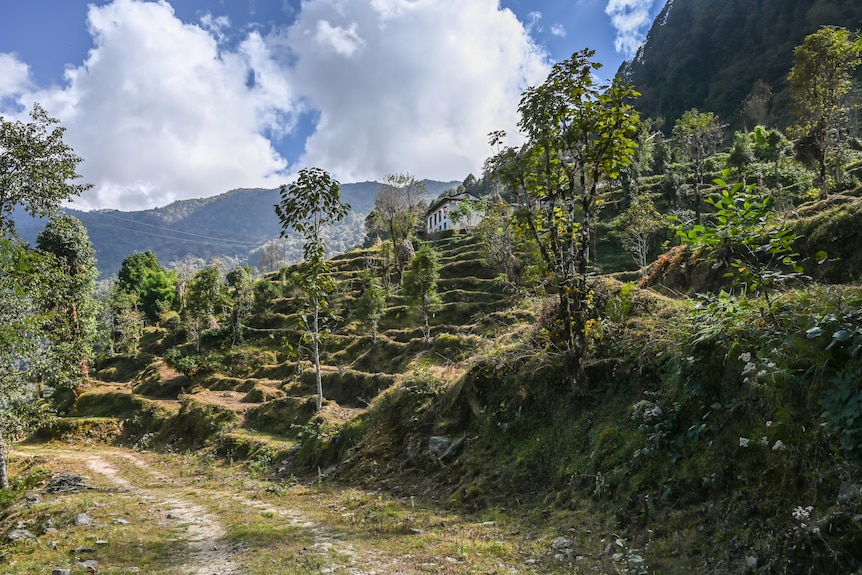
459,197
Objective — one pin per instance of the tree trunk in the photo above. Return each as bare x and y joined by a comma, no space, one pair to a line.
4,477
315,344
426,329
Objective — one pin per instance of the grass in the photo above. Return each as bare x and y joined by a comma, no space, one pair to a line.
269,527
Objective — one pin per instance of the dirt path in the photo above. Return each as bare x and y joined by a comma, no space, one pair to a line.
171,497
209,554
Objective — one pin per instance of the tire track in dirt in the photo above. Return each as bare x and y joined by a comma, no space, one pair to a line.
210,554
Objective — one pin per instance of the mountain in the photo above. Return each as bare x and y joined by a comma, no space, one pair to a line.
231,225
710,54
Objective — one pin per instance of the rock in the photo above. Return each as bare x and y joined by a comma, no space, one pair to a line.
120,521
561,543
79,550
19,534
60,571
438,445
849,493
83,519
453,449
101,542
751,562
66,483
90,565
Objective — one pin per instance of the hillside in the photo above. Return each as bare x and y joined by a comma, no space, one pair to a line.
719,49
709,438
233,225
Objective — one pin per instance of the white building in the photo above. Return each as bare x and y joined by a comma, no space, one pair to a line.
438,217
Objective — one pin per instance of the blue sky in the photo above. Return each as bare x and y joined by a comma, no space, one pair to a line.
168,100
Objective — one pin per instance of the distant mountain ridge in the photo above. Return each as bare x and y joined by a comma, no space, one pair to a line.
231,225
708,54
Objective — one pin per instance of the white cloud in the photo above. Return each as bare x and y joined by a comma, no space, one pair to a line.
630,19
159,114
163,110
431,80
558,30
14,76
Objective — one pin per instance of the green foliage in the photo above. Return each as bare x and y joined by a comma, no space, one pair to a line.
70,297
842,408
35,167
308,206
820,80
241,299
579,133
142,274
697,136
371,305
755,251
420,285
642,223
399,208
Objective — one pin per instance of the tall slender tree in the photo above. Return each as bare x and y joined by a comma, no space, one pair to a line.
307,207
420,285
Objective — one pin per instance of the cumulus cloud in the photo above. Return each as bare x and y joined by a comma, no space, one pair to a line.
630,19
409,86
14,76
163,110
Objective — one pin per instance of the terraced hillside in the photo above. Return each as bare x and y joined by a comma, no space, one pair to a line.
261,393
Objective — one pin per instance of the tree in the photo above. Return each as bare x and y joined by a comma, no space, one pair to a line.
580,134
697,136
71,296
399,208
820,81
420,285
770,146
142,274
35,167
308,206
642,222
206,299
741,153
242,298
24,276
372,303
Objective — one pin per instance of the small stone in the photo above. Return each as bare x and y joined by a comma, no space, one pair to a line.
79,550
849,493
561,543
751,562
438,445
19,534
83,519
90,565
120,521
60,571
101,542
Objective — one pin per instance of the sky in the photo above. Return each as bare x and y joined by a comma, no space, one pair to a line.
167,100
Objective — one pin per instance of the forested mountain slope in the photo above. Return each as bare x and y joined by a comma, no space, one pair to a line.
232,225
709,54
